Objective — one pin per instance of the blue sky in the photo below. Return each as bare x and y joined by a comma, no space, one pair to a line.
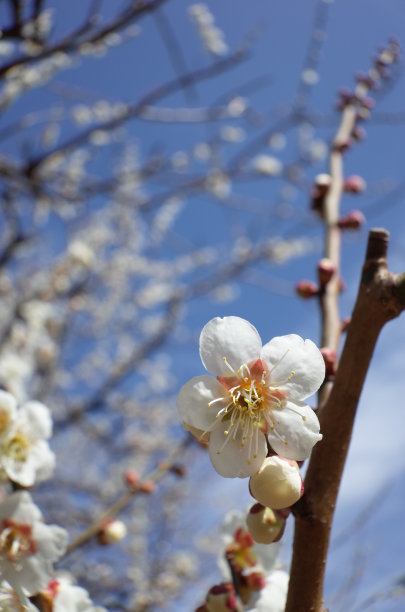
281,29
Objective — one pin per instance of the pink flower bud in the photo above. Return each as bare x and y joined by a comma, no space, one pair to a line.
264,524
111,532
278,483
147,486
363,114
359,133
326,269
366,79
352,221
367,102
329,357
354,184
221,598
132,479
306,289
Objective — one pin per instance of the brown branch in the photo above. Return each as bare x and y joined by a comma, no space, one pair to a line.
123,501
331,323
381,297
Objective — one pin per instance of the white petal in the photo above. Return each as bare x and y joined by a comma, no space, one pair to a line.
273,597
287,354
38,417
298,425
51,541
193,399
230,337
233,460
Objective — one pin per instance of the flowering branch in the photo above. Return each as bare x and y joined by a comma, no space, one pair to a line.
146,486
381,297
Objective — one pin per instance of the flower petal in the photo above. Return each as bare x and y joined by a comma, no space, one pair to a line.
298,425
233,459
287,354
193,399
230,337
38,418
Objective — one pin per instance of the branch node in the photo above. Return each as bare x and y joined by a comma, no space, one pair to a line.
377,246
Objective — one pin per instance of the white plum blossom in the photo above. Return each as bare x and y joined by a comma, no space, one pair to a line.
11,601
256,396
25,456
259,559
28,547
266,557
273,596
62,595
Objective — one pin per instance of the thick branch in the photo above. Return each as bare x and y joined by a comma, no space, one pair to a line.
381,297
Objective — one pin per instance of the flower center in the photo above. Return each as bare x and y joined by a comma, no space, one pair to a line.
15,542
17,447
252,396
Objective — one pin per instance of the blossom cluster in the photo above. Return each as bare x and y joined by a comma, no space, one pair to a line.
28,546
25,456
262,582
256,423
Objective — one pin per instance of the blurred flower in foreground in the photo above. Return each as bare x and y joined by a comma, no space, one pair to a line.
62,595
25,456
267,594
28,547
257,393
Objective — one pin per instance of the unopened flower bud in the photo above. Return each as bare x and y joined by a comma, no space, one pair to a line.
326,269
132,479
322,183
359,133
147,486
363,114
111,532
354,184
352,221
221,598
264,524
307,289
278,483
366,79
329,357
367,102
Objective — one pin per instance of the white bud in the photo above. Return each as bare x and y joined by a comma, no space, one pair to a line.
278,483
